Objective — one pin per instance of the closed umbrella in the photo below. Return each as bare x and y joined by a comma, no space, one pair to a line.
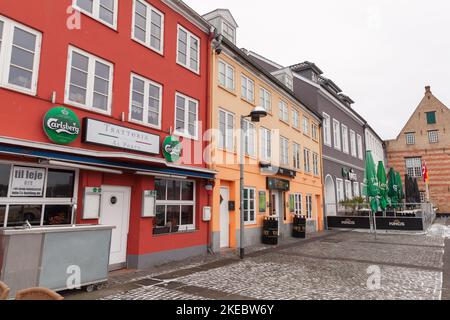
408,189
416,191
392,188
382,183
372,182
401,194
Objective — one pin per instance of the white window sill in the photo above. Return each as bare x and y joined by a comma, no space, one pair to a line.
160,52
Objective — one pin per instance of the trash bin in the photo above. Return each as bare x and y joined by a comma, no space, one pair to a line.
299,227
270,231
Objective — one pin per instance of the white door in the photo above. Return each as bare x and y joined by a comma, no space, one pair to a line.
224,218
115,211
330,197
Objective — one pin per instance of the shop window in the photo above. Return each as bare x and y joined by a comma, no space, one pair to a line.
46,197
4,179
19,214
175,205
60,184
2,215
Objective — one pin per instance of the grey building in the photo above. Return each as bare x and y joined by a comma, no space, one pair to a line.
344,130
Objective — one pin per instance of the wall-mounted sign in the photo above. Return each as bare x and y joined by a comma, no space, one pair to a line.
111,135
349,174
61,125
273,170
278,184
262,201
401,224
27,182
149,204
172,149
348,222
91,203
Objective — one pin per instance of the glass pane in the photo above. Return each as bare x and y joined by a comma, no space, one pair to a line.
160,219
78,78
57,215
107,4
22,58
5,171
160,187
107,15
187,191
173,216
2,215
102,70
139,34
100,102
138,85
101,86
173,190
79,61
18,214
24,39
137,113
20,77
187,215
1,30
77,95
60,184
86,5
141,9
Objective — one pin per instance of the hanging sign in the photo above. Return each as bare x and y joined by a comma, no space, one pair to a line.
262,201
172,149
27,182
61,125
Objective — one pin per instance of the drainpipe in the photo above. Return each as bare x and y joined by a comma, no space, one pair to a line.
324,206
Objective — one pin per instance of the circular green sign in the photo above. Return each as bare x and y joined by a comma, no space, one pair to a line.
61,125
172,149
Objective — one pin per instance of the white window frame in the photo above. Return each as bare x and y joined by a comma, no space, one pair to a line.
433,136
316,171
345,144
229,26
90,81
250,126
6,52
410,138
314,131
245,95
190,35
227,68
226,146
353,150
147,82
148,26
360,147
283,111
327,137
187,227
340,193
413,167
297,156
266,149
337,134
95,14
185,133
348,190
298,204
309,206
284,151
249,200
356,191
307,160
305,125
296,119
265,99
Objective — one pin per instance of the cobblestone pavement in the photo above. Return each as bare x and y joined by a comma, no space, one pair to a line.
332,265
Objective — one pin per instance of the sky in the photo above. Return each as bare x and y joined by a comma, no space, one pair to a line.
382,53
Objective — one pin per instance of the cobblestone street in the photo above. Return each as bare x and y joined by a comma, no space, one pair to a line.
331,265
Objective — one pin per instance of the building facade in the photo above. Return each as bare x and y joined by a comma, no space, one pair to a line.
97,101
376,145
425,138
282,151
343,130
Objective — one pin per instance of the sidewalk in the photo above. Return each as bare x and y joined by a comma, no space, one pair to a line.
127,280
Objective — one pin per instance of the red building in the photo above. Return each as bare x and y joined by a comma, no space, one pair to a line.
91,93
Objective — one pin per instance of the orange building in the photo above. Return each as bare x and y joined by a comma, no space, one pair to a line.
282,152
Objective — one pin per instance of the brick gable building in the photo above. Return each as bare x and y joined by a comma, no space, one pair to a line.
425,137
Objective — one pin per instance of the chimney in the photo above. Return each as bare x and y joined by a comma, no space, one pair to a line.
427,89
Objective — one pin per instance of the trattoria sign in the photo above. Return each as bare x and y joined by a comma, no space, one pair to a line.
27,182
61,125
111,135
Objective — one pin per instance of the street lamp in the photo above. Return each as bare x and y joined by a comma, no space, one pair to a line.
255,116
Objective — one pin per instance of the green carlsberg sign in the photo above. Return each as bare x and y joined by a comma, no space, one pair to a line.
172,149
61,125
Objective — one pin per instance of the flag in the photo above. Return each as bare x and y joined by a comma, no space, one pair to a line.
426,177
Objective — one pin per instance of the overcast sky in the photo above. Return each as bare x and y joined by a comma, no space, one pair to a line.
382,53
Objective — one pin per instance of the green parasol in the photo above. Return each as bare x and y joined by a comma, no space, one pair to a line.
401,194
393,188
382,183
371,182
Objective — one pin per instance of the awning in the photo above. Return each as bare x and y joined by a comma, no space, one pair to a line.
137,167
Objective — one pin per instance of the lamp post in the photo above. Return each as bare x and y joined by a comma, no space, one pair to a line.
255,116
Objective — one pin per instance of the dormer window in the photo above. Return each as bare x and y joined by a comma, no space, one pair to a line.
313,77
229,32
